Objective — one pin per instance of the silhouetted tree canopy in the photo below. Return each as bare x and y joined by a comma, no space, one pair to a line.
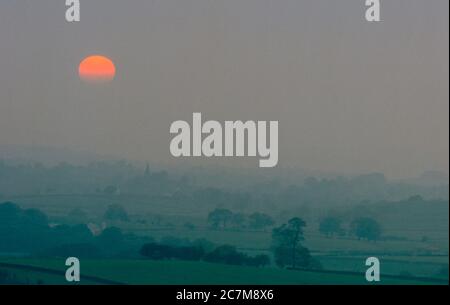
330,226
260,221
366,228
287,248
220,217
115,212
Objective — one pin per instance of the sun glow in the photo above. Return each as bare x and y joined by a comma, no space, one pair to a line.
96,68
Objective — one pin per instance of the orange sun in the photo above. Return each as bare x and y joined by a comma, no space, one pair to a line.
97,68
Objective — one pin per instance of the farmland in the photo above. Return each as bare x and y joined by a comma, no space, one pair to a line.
181,272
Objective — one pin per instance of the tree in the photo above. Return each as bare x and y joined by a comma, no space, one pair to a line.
229,255
203,243
159,251
238,219
330,225
189,226
302,259
77,215
80,250
226,254
220,217
156,251
116,212
190,253
365,227
111,237
260,260
75,234
23,230
286,244
260,221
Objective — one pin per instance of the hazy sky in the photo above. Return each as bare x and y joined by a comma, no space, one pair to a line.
349,95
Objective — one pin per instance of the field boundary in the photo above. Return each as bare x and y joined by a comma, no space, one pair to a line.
95,279
99,280
390,276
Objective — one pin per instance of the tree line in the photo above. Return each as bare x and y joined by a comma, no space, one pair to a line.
224,218
361,227
224,254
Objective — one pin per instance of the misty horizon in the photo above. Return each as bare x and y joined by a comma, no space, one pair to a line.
54,156
344,104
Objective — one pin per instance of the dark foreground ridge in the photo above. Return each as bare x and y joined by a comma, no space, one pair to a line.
94,279
391,276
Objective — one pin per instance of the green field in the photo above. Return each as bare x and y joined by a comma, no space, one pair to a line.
314,241
30,277
413,224
409,255
392,266
183,272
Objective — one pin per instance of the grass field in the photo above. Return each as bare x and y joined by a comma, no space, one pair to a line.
391,266
31,277
183,272
408,256
314,241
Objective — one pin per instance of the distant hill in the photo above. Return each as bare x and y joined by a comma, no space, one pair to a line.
429,178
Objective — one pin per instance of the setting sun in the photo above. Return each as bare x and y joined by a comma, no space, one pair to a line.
97,68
